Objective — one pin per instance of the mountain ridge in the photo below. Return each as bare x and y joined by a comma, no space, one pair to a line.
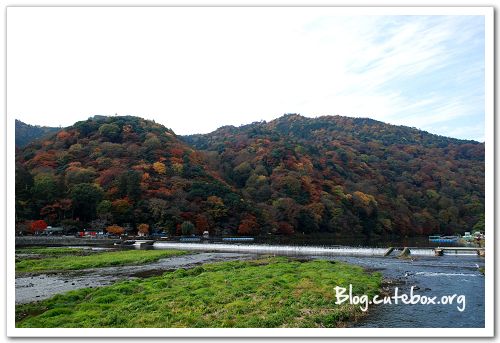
293,174
26,133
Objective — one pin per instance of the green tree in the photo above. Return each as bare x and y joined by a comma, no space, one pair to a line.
45,190
306,221
187,228
85,198
479,226
24,185
122,211
104,210
110,131
241,173
129,185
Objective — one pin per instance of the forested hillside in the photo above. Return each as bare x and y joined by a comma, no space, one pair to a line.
126,171
352,175
26,133
290,175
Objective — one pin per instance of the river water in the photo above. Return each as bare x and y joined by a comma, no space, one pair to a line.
432,277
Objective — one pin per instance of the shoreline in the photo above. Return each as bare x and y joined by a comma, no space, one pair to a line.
260,292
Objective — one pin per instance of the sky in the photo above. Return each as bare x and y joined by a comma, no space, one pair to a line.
196,69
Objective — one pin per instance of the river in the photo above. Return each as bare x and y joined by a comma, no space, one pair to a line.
434,277
431,276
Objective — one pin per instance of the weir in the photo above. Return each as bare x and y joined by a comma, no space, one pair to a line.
286,249
438,251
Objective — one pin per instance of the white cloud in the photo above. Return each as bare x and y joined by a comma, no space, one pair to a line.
195,69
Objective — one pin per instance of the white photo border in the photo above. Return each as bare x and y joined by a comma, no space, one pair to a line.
487,331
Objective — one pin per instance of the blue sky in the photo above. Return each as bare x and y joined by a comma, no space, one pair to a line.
422,71
196,69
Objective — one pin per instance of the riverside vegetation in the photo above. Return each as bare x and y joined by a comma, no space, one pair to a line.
67,260
266,292
52,251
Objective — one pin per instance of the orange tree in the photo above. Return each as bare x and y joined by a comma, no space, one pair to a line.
115,229
144,228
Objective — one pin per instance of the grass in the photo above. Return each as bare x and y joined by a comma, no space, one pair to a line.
102,259
50,251
271,292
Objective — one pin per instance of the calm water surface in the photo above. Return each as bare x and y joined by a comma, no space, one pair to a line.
435,276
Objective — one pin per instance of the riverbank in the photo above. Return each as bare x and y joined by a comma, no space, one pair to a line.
267,292
431,276
22,241
71,261
32,287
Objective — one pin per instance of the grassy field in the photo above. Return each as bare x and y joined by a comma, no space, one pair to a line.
101,259
51,251
271,292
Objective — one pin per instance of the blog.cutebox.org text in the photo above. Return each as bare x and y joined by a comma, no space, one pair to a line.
343,295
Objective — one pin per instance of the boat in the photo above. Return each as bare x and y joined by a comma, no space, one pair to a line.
189,239
444,239
238,239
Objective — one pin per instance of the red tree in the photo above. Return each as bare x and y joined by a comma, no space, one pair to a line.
38,226
248,226
285,228
201,223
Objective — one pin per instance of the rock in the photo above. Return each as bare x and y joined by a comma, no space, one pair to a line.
405,253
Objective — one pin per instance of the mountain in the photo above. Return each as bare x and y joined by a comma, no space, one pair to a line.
126,171
26,133
351,175
348,176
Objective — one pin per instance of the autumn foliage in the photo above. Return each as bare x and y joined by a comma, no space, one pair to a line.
115,229
292,175
38,226
248,226
143,228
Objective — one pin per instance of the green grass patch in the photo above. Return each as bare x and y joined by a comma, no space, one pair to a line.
271,292
51,251
102,259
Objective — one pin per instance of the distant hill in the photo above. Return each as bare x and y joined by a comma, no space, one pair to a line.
348,176
351,175
26,133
